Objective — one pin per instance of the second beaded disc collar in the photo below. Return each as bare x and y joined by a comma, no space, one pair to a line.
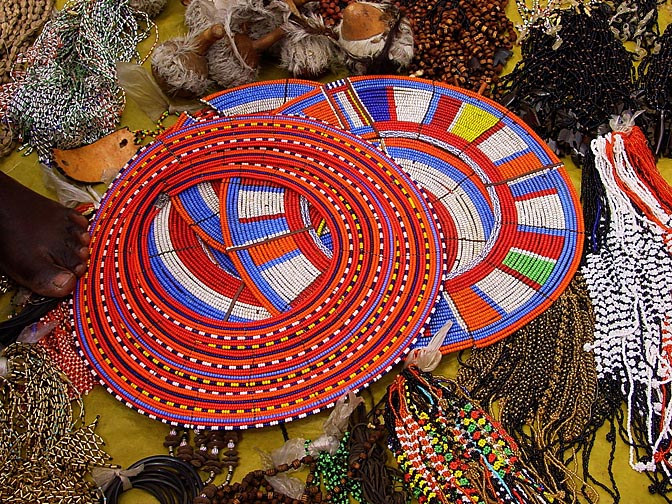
510,215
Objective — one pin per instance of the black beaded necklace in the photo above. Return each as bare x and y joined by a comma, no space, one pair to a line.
655,83
568,84
574,75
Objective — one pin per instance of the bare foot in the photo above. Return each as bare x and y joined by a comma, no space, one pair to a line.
43,245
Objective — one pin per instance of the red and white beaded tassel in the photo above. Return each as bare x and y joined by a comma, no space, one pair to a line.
630,283
637,172
60,346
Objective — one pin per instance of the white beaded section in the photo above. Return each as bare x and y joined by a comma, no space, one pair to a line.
543,212
291,277
186,278
254,107
501,286
470,236
350,112
260,203
501,144
629,281
412,106
210,197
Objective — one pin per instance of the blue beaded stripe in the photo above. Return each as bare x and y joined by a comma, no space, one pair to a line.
263,96
444,313
491,302
200,212
245,233
223,260
165,274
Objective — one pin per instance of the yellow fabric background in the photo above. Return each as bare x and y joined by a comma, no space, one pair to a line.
131,436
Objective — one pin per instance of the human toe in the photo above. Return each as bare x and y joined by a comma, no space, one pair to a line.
83,253
53,282
78,219
79,270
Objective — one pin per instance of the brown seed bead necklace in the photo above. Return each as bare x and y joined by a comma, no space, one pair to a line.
461,42
545,384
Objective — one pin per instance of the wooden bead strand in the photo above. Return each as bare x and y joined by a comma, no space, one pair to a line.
461,42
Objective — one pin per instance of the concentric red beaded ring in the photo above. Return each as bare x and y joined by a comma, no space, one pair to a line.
214,299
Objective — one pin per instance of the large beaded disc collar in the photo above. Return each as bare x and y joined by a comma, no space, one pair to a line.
503,199
251,270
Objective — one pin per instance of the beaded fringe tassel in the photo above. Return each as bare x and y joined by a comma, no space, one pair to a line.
62,351
450,450
545,385
630,282
45,454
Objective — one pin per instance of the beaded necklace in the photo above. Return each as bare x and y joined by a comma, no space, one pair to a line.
450,449
22,21
46,449
573,75
545,384
577,70
655,81
65,91
462,43
628,281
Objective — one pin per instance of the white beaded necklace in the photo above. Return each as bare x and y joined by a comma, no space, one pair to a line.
629,280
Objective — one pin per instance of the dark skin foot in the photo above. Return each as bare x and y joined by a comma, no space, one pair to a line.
43,245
